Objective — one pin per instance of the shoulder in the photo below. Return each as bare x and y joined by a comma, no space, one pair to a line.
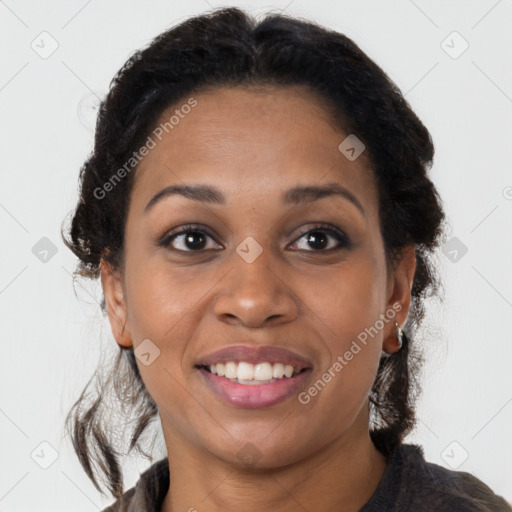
148,493
412,483
447,489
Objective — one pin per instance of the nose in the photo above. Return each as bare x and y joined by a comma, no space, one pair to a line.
255,294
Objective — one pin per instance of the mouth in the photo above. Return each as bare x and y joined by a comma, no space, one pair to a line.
254,377
249,374
254,393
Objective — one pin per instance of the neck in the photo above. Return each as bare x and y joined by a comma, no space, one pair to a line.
342,476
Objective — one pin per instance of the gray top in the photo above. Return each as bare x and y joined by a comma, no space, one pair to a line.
409,483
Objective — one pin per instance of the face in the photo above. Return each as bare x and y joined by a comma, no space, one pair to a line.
278,266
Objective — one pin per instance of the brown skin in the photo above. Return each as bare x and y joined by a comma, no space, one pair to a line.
253,144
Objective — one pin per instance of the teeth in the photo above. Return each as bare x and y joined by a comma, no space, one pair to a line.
288,371
263,371
247,373
278,371
231,370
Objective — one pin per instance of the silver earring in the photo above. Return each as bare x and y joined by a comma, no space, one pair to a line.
399,335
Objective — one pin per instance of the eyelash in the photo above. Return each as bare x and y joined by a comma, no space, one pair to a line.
340,236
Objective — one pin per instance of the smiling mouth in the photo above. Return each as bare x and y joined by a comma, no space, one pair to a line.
253,374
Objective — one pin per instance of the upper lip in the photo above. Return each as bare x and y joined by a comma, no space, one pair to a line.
254,355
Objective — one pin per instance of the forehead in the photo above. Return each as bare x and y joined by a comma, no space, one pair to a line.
251,140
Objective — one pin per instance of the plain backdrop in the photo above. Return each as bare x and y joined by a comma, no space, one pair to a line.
57,59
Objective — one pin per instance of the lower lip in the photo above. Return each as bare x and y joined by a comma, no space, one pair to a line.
257,395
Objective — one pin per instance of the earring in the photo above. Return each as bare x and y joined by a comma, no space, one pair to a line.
400,336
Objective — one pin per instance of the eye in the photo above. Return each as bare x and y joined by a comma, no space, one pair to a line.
194,238
322,238
189,238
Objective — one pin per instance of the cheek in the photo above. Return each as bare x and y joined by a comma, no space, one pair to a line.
161,297
346,300
165,309
345,307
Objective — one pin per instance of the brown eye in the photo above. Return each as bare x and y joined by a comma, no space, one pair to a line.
317,239
323,238
189,239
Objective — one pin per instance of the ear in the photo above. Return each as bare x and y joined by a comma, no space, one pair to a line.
399,295
116,304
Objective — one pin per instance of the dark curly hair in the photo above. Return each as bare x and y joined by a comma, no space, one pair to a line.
225,48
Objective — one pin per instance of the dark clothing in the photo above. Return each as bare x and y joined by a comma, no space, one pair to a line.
409,484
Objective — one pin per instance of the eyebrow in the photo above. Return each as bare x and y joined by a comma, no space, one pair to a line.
296,195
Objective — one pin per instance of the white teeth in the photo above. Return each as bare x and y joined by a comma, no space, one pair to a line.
247,373
231,370
263,371
278,371
221,369
288,371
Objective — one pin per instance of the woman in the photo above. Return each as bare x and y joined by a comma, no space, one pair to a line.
258,208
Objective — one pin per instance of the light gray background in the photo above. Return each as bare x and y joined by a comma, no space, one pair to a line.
50,338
